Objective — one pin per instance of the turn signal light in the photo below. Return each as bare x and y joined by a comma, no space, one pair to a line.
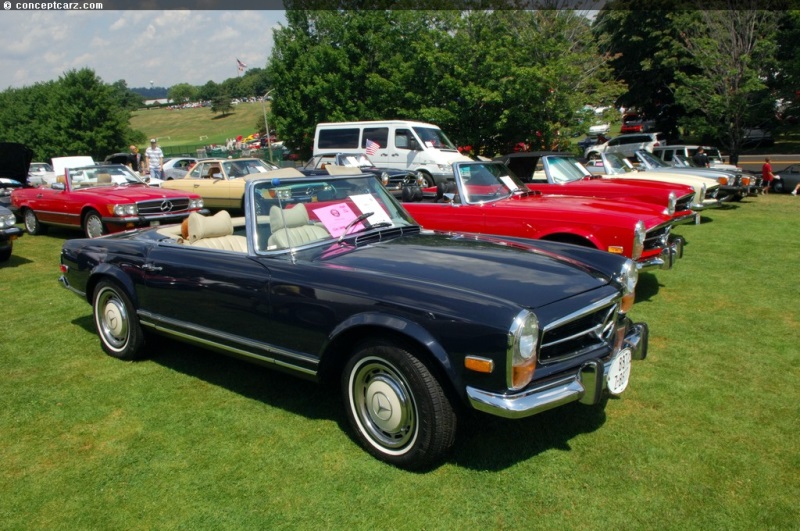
477,364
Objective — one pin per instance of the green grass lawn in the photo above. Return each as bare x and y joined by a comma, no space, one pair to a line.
706,436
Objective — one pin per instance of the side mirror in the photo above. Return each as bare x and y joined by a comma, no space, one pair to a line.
58,186
413,145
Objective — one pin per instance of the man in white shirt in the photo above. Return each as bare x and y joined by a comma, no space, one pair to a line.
154,158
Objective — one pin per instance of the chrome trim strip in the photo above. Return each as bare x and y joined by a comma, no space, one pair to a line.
154,323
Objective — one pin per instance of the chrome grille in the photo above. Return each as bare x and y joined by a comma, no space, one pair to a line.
580,332
684,203
657,237
163,206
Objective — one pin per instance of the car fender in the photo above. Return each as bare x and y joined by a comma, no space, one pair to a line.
103,271
400,326
577,232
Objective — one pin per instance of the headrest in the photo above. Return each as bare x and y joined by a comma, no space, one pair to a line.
215,226
282,172
297,216
103,178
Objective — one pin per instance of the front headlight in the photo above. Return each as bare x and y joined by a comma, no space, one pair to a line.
627,277
125,210
445,167
639,234
523,342
7,220
672,203
385,178
195,203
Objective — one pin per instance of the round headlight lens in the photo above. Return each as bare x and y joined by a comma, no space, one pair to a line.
628,276
523,343
7,220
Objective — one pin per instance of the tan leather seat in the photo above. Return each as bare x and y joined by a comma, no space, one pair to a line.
214,232
290,227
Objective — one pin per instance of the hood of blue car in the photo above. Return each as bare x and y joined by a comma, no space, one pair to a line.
514,272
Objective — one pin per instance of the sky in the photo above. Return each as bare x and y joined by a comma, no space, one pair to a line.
141,47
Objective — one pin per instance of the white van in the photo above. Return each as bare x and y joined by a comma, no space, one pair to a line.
397,144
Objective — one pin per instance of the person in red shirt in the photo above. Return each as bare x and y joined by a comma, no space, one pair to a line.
766,175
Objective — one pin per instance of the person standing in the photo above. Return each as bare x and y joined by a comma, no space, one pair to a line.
154,159
135,159
766,175
700,158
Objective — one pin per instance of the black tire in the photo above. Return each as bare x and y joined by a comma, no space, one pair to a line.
32,224
93,225
777,186
5,254
117,324
397,408
428,180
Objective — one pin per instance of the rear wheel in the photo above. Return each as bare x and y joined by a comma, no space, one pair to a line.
117,324
93,225
777,185
397,407
32,224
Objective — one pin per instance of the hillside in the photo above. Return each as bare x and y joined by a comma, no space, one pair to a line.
193,128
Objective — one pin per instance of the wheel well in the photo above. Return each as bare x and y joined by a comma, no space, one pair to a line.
340,349
86,212
570,238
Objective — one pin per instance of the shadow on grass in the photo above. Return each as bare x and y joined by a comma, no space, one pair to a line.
480,436
647,287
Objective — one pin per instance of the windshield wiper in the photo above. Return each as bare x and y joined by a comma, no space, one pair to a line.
349,226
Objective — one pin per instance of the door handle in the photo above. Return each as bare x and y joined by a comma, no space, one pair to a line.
151,268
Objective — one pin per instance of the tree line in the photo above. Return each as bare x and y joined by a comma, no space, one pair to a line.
493,79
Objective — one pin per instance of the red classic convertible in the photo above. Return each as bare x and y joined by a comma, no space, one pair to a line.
487,198
558,173
89,199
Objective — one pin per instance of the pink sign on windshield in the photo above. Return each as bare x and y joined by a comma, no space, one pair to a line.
336,217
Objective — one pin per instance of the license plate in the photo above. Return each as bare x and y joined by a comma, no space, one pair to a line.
620,372
155,223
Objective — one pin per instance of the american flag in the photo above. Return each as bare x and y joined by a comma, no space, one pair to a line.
240,64
372,147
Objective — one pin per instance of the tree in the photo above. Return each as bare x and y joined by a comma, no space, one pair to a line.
731,52
182,93
488,78
221,104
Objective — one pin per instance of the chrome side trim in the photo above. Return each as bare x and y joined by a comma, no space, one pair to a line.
151,321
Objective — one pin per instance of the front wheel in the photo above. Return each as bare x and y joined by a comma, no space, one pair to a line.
117,323
777,186
427,180
93,225
397,407
32,224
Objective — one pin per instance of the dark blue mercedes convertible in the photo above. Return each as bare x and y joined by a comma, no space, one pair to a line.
330,279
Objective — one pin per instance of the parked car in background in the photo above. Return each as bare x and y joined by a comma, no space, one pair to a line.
220,182
749,181
117,158
340,285
592,140
487,198
627,145
8,233
40,173
674,155
177,167
787,179
634,122
706,191
394,180
89,199
559,173
599,128
730,183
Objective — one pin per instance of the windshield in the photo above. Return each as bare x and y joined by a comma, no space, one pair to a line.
353,160
617,164
240,168
294,212
651,161
480,182
99,176
565,169
434,138
682,160
40,167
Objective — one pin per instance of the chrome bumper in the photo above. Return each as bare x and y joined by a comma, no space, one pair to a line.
667,258
585,386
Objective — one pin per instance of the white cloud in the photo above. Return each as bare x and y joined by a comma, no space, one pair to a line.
167,47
